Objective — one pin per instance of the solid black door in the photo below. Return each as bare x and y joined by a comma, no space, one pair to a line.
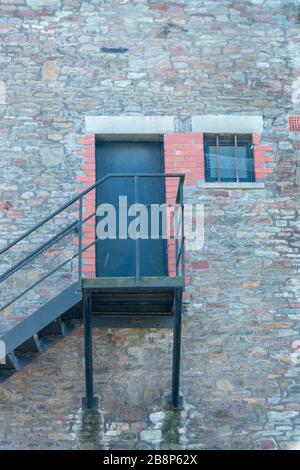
117,257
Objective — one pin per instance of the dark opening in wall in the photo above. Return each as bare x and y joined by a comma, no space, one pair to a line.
114,50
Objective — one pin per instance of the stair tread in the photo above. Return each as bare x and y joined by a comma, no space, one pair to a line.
130,314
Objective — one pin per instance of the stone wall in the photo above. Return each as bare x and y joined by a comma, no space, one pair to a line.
60,61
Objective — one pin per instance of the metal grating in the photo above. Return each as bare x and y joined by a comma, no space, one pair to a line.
294,123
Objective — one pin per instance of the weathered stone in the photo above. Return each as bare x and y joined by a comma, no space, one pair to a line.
223,414
61,436
267,444
50,70
278,325
2,92
217,356
153,435
298,176
251,284
240,364
120,426
279,416
52,156
157,417
38,4
225,385
7,396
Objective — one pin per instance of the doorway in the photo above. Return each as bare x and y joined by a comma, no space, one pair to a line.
117,257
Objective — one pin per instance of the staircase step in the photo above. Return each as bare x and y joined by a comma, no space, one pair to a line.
133,321
55,328
33,345
137,292
132,298
74,313
5,374
69,325
132,308
13,362
59,327
133,301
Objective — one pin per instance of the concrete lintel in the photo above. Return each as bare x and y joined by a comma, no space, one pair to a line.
228,124
132,125
221,185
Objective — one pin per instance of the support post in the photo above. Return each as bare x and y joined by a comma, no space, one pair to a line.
137,241
80,241
176,399
89,402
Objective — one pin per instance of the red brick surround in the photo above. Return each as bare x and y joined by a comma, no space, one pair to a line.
262,158
183,153
88,177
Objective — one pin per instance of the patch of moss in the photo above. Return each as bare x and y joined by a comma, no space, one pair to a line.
137,336
170,429
91,430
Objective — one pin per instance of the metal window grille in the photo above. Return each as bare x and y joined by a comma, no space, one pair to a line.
228,158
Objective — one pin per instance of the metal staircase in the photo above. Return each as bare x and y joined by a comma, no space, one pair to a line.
136,301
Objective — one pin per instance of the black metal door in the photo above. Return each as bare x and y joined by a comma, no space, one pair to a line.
117,258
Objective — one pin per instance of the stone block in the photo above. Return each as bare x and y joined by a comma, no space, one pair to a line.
50,71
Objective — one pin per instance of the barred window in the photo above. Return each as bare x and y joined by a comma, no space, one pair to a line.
228,158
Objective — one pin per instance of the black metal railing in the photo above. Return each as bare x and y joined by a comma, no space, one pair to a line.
77,226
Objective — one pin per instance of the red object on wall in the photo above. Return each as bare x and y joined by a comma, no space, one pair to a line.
294,123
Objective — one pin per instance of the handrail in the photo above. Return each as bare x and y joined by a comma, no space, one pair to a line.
38,251
180,252
64,264
81,195
46,276
80,222
42,248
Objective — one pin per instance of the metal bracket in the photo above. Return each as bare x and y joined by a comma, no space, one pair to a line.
171,406
95,404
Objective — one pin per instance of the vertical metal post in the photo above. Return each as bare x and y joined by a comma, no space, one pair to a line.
88,350
80,241
236,158
176,399
175,230
182,230
218,157
137,241
176,220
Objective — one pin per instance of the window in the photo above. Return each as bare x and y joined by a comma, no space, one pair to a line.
228,158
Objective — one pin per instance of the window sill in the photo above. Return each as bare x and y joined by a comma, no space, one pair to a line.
254,185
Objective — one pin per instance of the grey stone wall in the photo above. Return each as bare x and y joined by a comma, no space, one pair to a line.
183,58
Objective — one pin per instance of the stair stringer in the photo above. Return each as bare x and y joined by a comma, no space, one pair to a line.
61,305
